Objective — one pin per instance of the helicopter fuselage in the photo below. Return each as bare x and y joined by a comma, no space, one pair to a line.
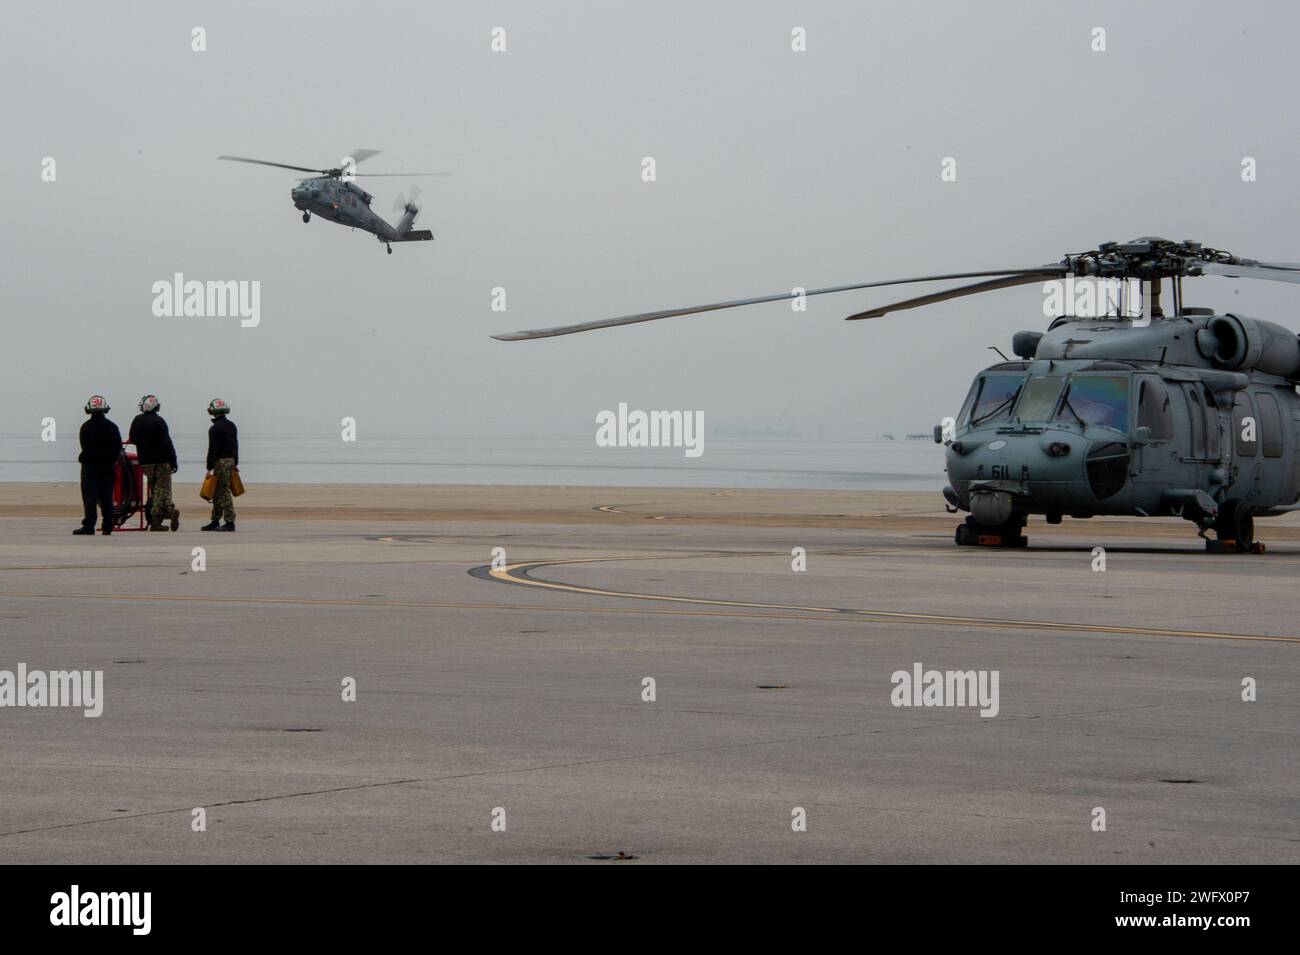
1184,416
1193,414
341,201
333,195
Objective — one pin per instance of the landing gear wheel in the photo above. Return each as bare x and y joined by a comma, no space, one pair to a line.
1011,535
1001,535
306,217
1235,527
390,250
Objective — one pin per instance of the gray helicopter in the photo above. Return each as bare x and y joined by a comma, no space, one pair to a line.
333,195
1192,414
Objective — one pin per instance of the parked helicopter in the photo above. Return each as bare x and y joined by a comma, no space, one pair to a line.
332,195
1192,414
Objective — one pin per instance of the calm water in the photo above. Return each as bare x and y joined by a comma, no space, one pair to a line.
458,459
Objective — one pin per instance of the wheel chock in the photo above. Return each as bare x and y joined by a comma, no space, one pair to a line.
1230,547
998,540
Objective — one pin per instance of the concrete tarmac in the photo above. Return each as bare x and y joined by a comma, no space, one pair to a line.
516,691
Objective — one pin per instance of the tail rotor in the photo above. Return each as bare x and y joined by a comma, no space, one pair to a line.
404,205
409,211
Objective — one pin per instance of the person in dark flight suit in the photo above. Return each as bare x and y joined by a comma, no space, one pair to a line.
223,458
101,446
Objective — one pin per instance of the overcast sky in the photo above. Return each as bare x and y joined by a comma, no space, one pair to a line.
774,169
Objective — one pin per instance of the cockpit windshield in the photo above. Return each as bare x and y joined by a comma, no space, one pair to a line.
1086,399
1097,400
991,397
1039,398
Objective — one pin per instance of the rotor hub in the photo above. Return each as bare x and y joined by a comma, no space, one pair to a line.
1149,258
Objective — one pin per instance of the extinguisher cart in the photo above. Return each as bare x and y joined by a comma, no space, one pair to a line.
128,492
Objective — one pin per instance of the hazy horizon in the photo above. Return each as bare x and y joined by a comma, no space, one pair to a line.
774,169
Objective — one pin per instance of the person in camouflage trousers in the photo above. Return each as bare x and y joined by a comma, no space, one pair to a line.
161,505
157,456
223,458
223,502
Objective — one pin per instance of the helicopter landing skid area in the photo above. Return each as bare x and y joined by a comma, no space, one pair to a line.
1231,547
970,536
1211,546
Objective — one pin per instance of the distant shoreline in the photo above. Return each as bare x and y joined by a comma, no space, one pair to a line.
385,504
527,503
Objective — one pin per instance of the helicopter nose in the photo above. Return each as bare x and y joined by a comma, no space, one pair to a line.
1033,464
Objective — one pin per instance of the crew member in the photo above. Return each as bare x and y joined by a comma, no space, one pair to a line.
101,446
223,458
157,455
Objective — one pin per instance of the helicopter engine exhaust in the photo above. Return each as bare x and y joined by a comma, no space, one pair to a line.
1240,343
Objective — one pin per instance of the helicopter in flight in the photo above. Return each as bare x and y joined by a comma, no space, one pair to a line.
1191,414
333,195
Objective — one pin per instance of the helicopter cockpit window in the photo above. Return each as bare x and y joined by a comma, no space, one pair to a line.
1154,410
1098,400
1039,398
992,397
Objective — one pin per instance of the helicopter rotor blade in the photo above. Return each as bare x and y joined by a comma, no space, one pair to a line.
1021,276
1254,271
993,285
361,155
358,155
263,162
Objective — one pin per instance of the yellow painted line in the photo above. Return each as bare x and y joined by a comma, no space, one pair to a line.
612,509
511,573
